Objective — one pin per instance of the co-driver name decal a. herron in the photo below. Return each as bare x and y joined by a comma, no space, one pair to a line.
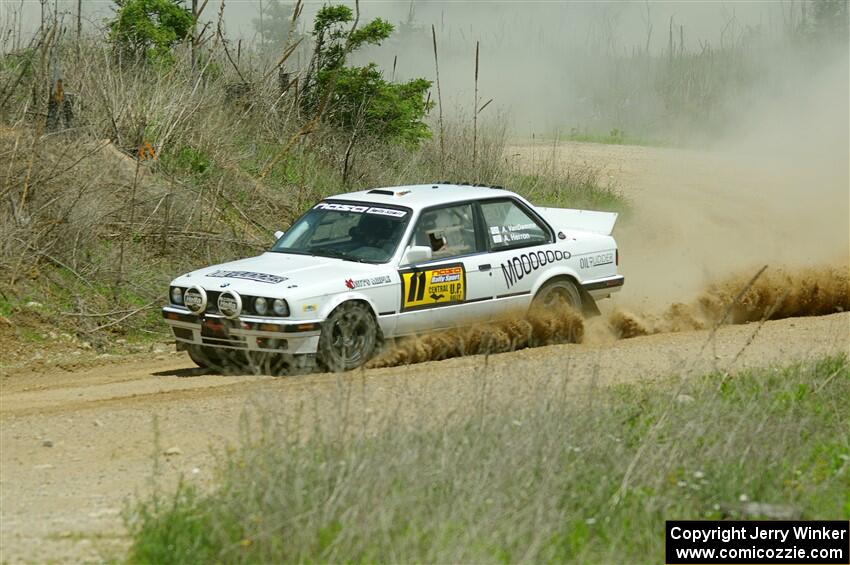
431,288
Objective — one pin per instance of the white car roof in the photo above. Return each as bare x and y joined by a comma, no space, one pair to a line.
418,196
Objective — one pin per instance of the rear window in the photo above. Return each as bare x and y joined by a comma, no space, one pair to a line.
508,225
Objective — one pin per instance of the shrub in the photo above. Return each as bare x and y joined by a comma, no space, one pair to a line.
149,28
358,99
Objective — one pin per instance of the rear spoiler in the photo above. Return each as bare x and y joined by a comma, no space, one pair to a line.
582,220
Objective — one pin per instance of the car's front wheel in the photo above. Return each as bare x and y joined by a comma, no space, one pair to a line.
556,295
204,357
349,337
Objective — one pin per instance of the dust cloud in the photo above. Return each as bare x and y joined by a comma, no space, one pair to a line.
537,329
774,295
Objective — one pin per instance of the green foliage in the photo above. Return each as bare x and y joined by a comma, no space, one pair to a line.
538,476
149,28
363,99
358,98
18,61
189,159
573,189
614,137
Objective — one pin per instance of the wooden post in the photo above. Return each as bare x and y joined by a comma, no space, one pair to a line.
439,102
475,120
194,30
79,26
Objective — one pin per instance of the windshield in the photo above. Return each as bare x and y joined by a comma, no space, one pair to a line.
350,231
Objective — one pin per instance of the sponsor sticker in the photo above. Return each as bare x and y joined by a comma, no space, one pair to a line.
309,307
430,288
192,299
360,209
516,268
247,275
596,260
353,284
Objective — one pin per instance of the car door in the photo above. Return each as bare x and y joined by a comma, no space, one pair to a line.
455,286
520,245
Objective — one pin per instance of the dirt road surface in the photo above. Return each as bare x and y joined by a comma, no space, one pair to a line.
77,441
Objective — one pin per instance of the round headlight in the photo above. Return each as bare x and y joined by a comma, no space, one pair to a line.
281,308
261,306
176,295
230,304
195,299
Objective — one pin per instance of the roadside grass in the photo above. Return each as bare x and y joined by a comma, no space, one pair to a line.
580,188
614,137
557,474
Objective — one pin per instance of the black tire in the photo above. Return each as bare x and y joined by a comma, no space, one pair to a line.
204,357
349,337
558,294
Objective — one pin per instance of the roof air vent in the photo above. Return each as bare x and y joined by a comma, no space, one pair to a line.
381,191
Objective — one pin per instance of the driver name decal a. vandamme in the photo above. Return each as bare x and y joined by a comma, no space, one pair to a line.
433,287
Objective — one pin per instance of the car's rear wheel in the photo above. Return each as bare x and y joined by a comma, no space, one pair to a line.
349,337
556,295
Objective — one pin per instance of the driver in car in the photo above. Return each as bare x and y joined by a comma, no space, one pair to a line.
375,232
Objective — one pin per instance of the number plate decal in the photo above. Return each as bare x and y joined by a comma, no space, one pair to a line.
432,287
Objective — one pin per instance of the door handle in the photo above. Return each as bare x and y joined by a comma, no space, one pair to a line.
485,267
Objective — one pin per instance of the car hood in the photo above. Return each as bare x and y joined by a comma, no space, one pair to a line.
280,275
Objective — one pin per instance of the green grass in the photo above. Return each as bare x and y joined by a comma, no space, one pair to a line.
6,306
555,476
614,137
574,189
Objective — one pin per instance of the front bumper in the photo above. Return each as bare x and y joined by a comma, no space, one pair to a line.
247,333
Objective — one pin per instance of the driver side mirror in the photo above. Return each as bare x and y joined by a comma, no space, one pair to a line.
416,254
278,234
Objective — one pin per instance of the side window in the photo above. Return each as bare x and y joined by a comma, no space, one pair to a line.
449,231
507,225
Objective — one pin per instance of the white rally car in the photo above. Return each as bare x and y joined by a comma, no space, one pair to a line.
366,266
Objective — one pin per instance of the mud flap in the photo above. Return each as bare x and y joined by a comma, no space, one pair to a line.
588,304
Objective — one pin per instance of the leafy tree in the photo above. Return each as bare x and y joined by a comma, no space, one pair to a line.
149,28
358,98
830,18
275,25
362,98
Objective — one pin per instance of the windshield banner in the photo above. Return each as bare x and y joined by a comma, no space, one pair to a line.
359,209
